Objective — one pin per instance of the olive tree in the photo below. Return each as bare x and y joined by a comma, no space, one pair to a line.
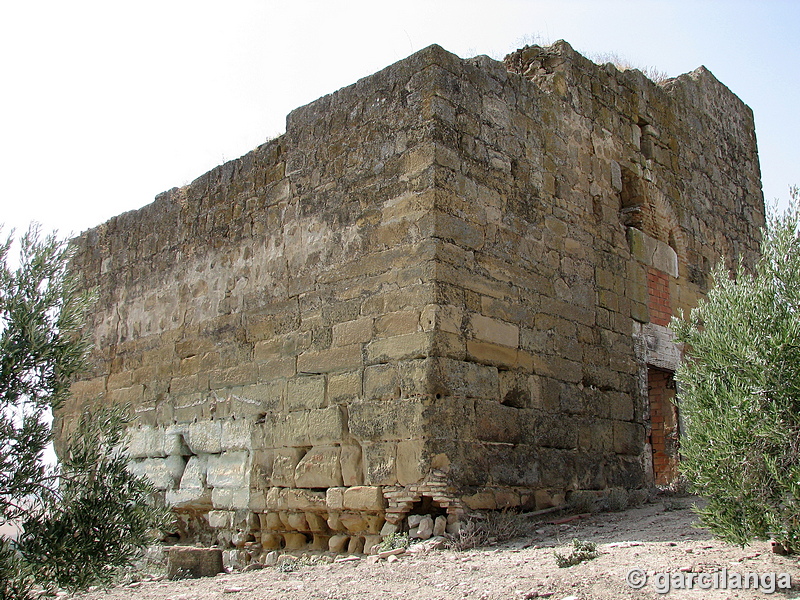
740,393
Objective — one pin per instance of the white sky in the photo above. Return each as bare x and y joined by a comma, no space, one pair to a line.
106,103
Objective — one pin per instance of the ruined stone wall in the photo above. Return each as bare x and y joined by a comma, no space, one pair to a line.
439,291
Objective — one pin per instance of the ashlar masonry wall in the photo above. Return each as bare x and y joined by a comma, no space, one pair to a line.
440,291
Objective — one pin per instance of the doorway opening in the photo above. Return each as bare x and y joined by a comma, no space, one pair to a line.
664,425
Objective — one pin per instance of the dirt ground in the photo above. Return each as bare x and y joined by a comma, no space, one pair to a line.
657,538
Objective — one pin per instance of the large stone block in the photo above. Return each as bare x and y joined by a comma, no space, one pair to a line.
305,393
146,442
321,426
495,331
194,475
163,473
319,468
189,498
283,466
351,464
205,437
297,499
236,434
385,419
229,470
343,358
344,387
400,347
364,497
267,396
352,332
380,463
411,464
230,498
186,562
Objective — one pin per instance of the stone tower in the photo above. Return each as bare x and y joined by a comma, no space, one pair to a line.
445,288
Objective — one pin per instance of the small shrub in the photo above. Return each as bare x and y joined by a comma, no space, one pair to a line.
489,528
623,64
393,541
287,566
581,551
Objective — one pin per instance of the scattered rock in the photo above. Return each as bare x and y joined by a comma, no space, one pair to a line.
393,552
440,526
350,558
426,546
414,520
188,562
425,529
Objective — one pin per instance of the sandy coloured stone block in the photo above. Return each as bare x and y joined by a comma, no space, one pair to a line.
145,442
317,522
204,437
380,466
495,331
334,498
229,469
284,463
343,358
236,434
230,498
351,466
295,521
305,392
411,468
271,541
298,499
338,543
364,497
344,387
399,347
295,541
319,468
352,332
276,499
356,545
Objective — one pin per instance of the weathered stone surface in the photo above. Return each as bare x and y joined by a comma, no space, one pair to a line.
319,468
351,465
204,437
284,464
229,469
185,562
236,435
146,442
305,499
220,519
338,543
363,498
452,291
230,498
305,393
163,473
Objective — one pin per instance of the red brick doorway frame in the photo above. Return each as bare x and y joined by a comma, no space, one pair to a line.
664,425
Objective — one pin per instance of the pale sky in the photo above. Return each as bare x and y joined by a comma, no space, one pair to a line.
105,104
